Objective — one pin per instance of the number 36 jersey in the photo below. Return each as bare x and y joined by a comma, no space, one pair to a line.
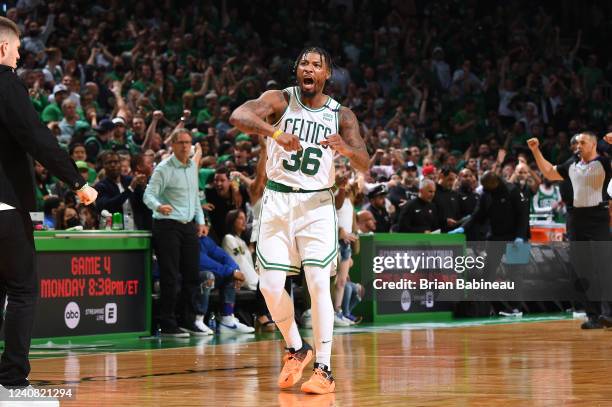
312,167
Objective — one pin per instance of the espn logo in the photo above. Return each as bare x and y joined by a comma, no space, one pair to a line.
110,313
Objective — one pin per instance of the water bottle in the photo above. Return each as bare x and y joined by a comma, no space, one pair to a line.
117,221
128,221
429,299
106,220
212,322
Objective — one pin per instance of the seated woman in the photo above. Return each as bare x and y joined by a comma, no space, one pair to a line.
236,247
218,265
67,218
89,217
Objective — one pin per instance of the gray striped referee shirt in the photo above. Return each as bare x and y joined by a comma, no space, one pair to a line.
589,180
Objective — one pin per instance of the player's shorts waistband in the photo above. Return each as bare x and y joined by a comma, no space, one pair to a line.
278,187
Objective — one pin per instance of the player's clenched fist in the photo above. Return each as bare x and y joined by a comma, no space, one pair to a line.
336,143
289,142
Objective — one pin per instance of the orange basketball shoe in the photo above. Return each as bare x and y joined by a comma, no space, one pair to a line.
321,381
295,362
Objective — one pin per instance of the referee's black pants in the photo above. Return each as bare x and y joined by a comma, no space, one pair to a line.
19,282
178,254
586,228
588,224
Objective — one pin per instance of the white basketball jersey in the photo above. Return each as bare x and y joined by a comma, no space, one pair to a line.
312,167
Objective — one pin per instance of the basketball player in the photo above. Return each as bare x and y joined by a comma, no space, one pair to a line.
298,226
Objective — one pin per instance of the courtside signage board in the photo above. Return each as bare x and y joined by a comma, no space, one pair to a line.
387,266
92,284
90,293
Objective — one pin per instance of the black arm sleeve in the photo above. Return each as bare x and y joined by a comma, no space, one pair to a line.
563,169
33,136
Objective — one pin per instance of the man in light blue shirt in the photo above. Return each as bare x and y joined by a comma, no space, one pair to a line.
178,222
172,192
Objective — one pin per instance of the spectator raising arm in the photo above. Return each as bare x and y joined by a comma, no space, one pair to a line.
152,129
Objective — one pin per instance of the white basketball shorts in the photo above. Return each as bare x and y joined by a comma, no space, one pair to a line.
297,229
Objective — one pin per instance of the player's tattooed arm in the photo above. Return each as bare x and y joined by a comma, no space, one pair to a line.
254,116
356,150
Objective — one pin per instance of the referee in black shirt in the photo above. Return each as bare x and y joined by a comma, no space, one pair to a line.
588,218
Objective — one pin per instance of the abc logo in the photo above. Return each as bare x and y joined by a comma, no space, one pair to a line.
405,300
72,315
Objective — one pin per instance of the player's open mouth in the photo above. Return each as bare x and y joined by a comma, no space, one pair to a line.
308,83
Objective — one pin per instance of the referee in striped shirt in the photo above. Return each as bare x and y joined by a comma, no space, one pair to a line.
588,218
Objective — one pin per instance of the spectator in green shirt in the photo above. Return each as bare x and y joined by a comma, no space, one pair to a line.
53,112
172,105
102,141
143,83
210,110
465,124
136,136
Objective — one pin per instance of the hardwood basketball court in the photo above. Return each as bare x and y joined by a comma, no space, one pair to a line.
538,363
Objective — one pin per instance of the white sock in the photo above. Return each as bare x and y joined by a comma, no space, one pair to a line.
280,305
317,279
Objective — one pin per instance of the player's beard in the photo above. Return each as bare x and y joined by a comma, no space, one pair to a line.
308,94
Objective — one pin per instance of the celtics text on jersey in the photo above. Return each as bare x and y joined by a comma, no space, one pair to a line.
312,167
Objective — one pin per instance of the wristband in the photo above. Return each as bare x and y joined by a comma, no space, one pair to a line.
83,187
276,134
